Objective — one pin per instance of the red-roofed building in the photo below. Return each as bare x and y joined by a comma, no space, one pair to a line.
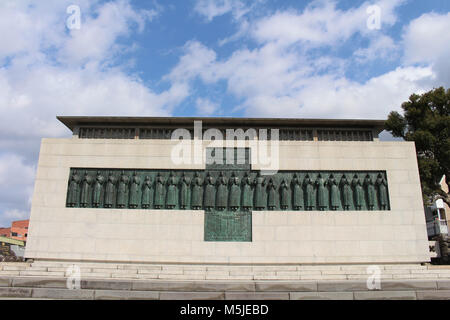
17,231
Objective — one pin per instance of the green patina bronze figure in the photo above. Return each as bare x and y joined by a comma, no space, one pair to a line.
321,193
73,190
309,191
284,195
171,200
110,190
222,192
235,193
85,198
382,192
197,192
260,192
98,188
359,192
297,191
122,190
184,191
247,192
134,191
370,187
209,193
147,193
159,192
346,192
271,189
334,192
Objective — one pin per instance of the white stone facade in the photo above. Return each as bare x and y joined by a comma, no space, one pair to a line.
176,236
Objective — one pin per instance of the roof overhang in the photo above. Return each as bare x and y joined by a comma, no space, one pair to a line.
187,122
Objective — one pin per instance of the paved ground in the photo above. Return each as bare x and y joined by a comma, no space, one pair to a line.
49,280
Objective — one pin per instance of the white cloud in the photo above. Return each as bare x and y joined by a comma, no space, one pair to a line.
281,78
427,41
14,215
96,39
275,82
45,71
381,47
74,78
206,107
329,97
321,23
214,8
25,27
16,187
31,102
196,60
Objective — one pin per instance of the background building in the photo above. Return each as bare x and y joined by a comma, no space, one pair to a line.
17,231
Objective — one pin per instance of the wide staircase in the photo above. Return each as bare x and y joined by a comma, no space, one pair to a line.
104,280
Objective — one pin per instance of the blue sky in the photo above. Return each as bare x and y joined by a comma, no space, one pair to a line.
261,58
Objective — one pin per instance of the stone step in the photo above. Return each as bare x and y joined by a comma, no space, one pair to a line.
361,268
222,275
55,288
14,264
100,270
41,273
14,267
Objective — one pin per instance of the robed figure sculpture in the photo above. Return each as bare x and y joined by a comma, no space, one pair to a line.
147,193
271,190
184,191
371,195
85,190
159,191
297,191
209,193
359,192
321,193
171,200
247,192
110,191
222,192
260,192
382,192
97,193
122,190
197,192
74,189
346,192
309,191
334,192
284,195
235,193
134,191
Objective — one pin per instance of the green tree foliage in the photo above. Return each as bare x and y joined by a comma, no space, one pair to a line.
426,121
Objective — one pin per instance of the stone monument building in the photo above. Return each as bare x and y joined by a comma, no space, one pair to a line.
227,191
